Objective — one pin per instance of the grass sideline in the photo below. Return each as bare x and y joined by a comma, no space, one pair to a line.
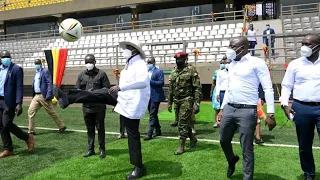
59,156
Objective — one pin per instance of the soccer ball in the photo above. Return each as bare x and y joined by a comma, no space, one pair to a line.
70,30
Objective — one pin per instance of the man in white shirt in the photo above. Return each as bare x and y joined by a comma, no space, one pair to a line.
303,77
239,107
132,100
222,80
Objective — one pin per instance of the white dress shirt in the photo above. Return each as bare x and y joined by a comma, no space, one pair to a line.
303,77
222,81
134,94
244,79
252,35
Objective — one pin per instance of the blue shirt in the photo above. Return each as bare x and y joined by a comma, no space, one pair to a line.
3,76
36,84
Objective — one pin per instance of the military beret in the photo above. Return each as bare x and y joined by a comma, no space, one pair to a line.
181,55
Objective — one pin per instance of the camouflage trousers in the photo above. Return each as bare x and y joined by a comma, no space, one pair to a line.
183,112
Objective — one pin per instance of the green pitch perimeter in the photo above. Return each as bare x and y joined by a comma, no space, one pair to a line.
59,156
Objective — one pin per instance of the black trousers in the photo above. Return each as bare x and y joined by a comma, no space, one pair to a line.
134,143
154,123
93,121
122,126
7,126
100,96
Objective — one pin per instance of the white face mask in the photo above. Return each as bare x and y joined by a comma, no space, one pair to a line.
232,54
305,51
89,66
127,54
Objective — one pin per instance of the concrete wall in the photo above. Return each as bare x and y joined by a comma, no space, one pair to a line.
73,6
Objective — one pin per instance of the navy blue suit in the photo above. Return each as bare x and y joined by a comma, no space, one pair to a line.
45,84
266,40
13,95
156,97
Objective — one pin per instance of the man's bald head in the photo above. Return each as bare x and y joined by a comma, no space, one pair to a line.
151,60
313,42
311,39
240,45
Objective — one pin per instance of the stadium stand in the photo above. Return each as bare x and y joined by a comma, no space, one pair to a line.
299,19
7,5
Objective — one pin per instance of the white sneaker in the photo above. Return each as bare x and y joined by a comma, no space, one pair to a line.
216,125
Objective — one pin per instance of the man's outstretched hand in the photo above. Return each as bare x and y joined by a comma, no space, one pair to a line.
114,89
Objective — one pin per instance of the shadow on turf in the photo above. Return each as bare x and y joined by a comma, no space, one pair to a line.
155,170
38,151
116,152
259,176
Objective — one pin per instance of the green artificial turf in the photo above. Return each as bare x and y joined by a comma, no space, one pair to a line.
59,156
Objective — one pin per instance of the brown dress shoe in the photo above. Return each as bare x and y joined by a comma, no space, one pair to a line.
30,142
6,153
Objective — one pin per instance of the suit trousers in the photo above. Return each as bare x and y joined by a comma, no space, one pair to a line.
306,118
7,126
134,143
154,123
246,120
95,120
37,102
100,96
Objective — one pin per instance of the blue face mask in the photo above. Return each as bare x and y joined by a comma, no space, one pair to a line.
222,66
268,27
150,66
37,66
6,61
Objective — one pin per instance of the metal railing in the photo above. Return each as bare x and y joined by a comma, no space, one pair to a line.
195,19
300,9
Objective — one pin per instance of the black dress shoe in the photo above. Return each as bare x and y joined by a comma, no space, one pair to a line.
62,130
137,173
174,124
89,153
147,138
259,141
232,166
102,153
309,178
61,96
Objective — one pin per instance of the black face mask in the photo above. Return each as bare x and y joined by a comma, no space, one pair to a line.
180,63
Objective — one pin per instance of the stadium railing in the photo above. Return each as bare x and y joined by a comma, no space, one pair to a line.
195,19
300,9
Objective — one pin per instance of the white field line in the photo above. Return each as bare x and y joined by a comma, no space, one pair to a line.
171,137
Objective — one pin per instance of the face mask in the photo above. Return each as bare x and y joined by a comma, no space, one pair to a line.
222,66
268,27
6,61
37,66
150,66
305,51
89,66
180,63
127,54
227,66
232,54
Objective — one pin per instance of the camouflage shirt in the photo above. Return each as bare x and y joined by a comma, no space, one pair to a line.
184,83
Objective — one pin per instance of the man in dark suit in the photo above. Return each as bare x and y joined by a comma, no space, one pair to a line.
42,96
269,31
11,98
156,97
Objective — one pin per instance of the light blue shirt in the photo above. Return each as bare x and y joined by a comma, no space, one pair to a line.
36,84
3,76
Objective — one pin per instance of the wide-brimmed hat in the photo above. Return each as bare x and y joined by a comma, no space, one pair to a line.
135,44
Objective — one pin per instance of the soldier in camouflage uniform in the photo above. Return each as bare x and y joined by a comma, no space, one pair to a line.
185,93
